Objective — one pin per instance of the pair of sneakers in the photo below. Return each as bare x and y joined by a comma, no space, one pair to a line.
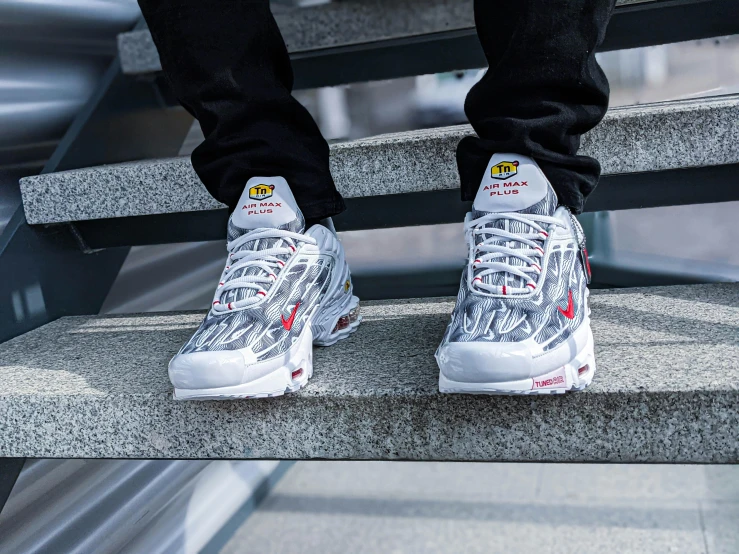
520,325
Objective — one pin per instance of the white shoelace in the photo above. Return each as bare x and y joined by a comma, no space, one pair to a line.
267,260
492,255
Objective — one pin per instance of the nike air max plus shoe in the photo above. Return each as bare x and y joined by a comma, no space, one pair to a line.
521,324
283,289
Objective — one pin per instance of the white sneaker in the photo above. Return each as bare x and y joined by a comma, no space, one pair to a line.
283,289
521,324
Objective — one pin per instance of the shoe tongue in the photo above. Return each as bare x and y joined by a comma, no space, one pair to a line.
267,202
512,183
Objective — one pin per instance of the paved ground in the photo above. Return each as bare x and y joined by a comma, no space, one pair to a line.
358,507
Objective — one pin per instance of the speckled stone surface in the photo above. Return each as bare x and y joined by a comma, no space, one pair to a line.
138,53
666,390
334,25
670,135
133,188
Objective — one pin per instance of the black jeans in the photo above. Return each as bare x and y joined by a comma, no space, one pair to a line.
229,67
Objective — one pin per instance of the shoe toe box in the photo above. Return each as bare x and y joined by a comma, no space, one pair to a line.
484,362
204,370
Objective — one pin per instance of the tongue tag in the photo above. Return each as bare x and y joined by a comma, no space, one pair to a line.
265,202
511,183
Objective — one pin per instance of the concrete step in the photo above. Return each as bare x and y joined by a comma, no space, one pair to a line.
665,391
633,144
332,26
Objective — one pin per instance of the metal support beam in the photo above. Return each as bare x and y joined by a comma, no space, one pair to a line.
126,119
10,469
44,275
49,272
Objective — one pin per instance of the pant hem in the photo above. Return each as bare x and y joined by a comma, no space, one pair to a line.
323,208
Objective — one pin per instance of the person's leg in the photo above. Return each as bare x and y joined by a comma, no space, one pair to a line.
286,284
521,324
542,91
228,65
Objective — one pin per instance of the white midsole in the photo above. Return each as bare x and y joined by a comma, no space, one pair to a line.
563,378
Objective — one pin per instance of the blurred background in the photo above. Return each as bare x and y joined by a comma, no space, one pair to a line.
53,53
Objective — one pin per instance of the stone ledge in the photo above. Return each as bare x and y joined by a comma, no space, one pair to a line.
666,390
654,137
335,25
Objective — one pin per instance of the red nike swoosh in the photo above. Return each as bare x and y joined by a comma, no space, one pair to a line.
288,323
569,313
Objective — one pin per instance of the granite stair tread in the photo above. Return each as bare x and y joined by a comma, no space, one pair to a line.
335,25
666,390
634,139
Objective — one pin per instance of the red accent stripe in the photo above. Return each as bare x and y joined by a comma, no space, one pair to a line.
262,293
536,266
504,290
229,306
531,285
216,302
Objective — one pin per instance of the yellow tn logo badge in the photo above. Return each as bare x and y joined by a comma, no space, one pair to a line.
260,192
503,170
